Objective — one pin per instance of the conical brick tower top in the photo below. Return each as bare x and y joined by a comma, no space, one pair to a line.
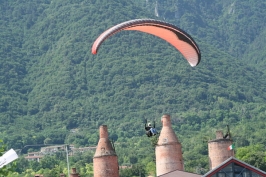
74,173
168,150
105,162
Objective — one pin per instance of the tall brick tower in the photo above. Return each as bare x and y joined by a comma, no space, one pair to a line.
105,161
168,150
218,150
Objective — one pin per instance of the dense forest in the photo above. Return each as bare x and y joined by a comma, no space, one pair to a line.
51,83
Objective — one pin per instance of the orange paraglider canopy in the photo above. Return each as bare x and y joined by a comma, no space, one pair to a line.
178,38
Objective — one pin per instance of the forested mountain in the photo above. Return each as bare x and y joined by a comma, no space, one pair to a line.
237,27
51,83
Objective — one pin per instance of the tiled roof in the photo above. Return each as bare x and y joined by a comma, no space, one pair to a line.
180,173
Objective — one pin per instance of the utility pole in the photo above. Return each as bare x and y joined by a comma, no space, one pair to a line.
67,161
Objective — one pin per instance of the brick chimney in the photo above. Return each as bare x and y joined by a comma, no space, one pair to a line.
105,161
168,150
218,150
74,173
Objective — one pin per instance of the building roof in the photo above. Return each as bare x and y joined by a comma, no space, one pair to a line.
236,161
33,157
179,173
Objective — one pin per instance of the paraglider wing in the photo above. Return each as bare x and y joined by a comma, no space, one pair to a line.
170,33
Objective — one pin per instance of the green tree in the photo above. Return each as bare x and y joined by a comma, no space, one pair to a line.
254,155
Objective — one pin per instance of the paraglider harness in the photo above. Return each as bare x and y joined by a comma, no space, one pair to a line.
150,131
